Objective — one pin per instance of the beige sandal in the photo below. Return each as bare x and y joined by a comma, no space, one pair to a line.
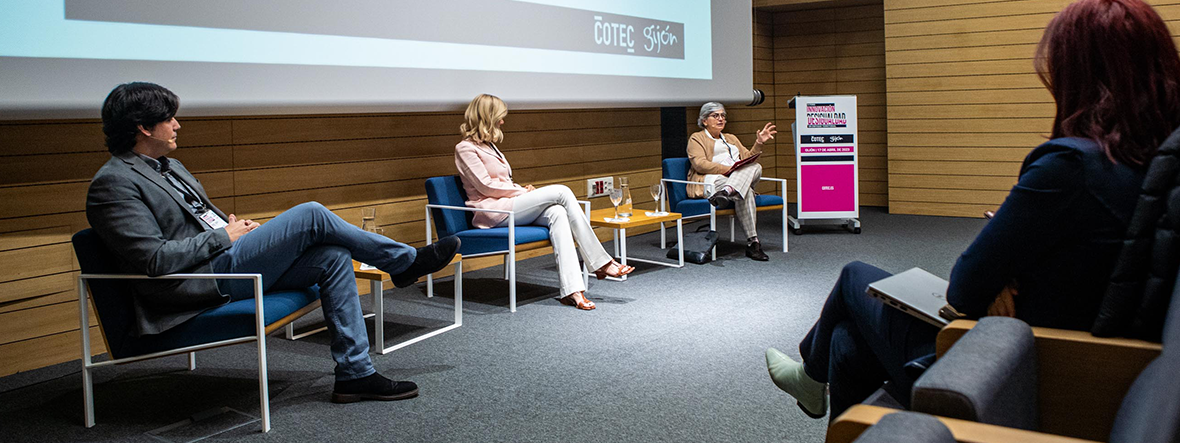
584,304
620,270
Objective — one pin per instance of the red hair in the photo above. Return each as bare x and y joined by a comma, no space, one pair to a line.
1112,68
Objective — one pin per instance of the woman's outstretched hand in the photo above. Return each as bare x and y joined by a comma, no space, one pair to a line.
766,134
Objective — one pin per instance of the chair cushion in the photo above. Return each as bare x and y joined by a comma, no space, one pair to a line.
479,241
699,206
231,320
448,191
882,398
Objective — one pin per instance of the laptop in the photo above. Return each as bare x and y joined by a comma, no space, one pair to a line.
918,293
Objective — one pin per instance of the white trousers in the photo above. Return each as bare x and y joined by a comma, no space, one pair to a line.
746,209
556,207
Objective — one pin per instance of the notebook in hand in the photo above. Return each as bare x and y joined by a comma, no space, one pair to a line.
742,162
918,293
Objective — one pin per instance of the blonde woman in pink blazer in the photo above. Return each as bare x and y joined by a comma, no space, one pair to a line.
487,178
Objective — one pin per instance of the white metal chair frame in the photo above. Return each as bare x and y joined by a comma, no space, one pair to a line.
509,259
259,336
713,211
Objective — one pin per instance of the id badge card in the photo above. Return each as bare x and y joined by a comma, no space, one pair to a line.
213,220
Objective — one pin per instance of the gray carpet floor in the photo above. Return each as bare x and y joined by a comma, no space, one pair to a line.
669,355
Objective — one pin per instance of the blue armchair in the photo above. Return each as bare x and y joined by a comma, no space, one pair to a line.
675,180
241,321
447,212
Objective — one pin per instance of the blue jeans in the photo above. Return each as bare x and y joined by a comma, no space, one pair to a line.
859,343
309,245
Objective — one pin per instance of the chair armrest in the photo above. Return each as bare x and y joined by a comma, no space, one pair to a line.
1082,379
465,208
849,425
907,427
170,276
990,376
257,278
585,207
782,184
429,206
707,186
952,332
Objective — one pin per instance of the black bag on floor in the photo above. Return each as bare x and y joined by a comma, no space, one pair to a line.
697,247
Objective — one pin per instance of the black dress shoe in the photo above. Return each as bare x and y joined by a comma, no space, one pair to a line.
754,251
720,198
430,259
373,387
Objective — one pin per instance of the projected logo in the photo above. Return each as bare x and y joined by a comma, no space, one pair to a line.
658,39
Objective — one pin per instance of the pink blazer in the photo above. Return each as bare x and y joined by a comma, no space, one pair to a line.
487,178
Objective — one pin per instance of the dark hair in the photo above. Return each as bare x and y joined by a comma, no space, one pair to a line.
1112,68
131,105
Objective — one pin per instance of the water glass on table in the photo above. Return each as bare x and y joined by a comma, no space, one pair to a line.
369,223
616,197
368,218
657,191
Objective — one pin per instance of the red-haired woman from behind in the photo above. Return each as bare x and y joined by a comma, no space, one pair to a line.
1045,258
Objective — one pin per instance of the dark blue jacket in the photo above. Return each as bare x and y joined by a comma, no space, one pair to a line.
1057,235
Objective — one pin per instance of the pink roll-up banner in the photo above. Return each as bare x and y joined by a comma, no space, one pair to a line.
826,161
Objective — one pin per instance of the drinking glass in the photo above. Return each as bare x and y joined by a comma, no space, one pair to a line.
616,197
657,190
369,218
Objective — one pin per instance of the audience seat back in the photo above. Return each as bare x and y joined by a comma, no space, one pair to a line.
1150,411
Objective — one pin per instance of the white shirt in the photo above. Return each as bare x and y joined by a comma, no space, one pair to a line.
724,154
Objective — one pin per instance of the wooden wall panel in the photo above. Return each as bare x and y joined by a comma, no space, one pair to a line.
835,49
26,355
964,102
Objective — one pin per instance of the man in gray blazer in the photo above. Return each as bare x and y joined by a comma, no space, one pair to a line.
158,220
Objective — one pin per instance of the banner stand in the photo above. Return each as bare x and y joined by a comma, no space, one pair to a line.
827,182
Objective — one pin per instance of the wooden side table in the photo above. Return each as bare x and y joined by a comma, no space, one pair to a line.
599,218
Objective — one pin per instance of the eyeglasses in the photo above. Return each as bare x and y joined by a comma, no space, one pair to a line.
718,115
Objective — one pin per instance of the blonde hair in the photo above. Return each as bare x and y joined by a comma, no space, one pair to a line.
483,115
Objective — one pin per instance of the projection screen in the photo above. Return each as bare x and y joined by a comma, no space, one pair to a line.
58,59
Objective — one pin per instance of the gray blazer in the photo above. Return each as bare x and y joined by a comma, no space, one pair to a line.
153,231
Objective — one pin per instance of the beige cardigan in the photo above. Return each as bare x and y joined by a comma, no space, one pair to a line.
700,155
